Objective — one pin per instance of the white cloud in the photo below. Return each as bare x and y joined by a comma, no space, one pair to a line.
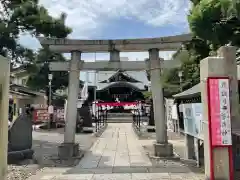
86,17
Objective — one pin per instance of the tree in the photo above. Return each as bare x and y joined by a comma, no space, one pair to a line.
195,2
27,16
213,23
190,56
39,71
216,21
21,16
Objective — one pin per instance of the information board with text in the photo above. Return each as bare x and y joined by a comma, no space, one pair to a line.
219,107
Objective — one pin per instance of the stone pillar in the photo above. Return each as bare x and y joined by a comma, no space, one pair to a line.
115,56
189,145
69,148
162,147
4,102
197,153
225,65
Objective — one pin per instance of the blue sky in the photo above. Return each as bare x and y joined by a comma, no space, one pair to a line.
104,19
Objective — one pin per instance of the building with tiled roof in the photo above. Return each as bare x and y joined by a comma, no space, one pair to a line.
125,85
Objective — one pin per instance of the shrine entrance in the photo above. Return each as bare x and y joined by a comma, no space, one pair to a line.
120,91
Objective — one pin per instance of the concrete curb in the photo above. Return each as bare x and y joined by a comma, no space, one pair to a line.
140,134
99,133
55,161
175,158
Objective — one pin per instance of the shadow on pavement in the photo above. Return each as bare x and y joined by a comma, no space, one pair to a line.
45,146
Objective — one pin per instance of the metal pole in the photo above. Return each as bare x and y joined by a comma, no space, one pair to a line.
50,103
50,94
95,79
180,75
180,83
95,93
87,80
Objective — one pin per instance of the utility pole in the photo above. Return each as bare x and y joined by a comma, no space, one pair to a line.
50,107
180,75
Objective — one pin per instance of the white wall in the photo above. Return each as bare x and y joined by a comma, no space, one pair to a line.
20,80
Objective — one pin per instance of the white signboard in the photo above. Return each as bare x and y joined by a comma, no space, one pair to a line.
197,115
192,114
225,112
174,112
188,118
50,109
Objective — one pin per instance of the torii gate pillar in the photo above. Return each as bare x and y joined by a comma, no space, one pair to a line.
162,147
69,148
115,55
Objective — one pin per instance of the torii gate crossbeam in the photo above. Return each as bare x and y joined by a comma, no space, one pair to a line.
112,66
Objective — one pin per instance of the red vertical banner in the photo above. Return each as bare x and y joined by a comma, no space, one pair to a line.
214,112
219,118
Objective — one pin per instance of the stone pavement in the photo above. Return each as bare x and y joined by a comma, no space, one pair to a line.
45,144
118,155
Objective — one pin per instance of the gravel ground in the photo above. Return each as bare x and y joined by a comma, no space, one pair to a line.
45,145
21,172
179,148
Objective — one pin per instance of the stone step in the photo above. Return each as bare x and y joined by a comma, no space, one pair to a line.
120,118
119,114
117,120
124,119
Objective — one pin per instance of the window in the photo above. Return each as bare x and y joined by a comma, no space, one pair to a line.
24,81
238,152
14,109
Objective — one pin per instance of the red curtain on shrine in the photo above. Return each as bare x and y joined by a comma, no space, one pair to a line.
116,103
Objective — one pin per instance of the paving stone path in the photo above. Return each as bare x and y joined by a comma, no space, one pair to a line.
118,155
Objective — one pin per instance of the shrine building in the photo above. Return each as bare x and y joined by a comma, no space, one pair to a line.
124,86
121,85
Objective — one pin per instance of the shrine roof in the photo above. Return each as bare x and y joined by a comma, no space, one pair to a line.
138,86
140,76
189,93
195,90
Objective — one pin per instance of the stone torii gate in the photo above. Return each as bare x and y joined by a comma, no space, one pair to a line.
69,148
